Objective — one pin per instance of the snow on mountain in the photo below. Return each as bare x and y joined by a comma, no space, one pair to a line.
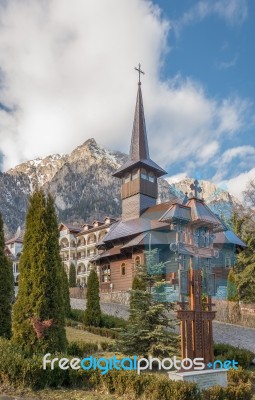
83,186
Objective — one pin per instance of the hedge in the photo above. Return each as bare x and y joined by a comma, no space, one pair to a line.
110,333
107,321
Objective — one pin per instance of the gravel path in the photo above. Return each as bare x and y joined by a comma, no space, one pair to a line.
235,335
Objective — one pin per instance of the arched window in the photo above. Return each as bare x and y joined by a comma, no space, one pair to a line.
134,174
137,261
123,269
144,174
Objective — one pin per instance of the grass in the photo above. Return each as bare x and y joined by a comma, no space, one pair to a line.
74,335
55,394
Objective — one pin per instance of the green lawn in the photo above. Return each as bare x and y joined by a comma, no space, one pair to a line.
84,336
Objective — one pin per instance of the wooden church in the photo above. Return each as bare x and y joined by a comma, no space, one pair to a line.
186,234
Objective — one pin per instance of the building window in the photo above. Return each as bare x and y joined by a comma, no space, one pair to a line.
106,273
151,177
137,261
123,269
127,178
228,262
134,174
144,174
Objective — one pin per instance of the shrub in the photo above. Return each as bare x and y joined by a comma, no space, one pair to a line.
107,346
227,352
110,321
20,370
81,349
235,377
107,321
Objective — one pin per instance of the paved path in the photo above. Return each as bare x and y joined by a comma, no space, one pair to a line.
235,335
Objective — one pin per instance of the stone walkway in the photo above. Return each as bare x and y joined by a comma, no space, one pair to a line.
235,335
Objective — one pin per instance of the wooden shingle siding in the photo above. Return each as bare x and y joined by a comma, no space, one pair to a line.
132,206
139,186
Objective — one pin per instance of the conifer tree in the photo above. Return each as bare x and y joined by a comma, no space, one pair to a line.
93,311
39,314
66,293
72,276
6,288
146,332
245,266
232,294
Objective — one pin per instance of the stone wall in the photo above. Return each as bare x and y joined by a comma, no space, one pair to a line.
121,297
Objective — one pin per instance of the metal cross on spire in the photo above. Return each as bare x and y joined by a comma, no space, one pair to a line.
197,189
139,72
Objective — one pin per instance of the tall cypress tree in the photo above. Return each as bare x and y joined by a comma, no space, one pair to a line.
93,311
72,276
6,288
39,312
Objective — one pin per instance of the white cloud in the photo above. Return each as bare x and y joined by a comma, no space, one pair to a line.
227,64
67,74
239,183
233,12
236,158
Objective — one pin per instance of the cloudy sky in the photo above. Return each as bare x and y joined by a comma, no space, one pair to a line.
67,74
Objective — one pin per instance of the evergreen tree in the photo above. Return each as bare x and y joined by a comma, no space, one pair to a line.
66,292
39,313
244,226
72,276
231,286
6,288
93,311
146,332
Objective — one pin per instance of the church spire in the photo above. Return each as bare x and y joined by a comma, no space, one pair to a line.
139,150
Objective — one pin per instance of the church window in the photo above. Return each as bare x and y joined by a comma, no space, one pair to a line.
137,261
144,174
134,174
123,269
151,177
127,178
106,273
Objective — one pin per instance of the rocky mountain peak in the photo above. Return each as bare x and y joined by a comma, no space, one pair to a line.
83,186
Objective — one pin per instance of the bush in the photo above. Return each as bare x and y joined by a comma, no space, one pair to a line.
107,321
227,352
19,370
110,321
77,315
81,349
107,346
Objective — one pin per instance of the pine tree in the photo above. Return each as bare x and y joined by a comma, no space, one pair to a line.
39,314
93,311
146,333
6,288
72,276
